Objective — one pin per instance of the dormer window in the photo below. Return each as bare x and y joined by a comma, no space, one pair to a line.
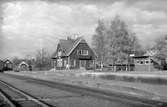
82,52
59,53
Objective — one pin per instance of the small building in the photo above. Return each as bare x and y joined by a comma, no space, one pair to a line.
127,65
74,54
144,63
23,66
8,65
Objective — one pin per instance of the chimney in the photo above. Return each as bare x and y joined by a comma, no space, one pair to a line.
70,38
75,36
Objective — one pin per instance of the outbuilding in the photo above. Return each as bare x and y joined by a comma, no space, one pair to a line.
23,66
144,63
8,65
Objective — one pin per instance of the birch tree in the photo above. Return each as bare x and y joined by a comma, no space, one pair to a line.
114,43
43,60
99,39
120,41
161,48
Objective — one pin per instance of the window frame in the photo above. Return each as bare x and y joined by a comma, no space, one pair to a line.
83,52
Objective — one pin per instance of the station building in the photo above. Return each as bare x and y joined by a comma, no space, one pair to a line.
74,54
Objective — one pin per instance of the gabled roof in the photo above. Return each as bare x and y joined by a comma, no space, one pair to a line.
7,60
69,45
23,63
65,45
75,44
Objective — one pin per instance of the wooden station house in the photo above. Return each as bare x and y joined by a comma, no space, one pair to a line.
74,54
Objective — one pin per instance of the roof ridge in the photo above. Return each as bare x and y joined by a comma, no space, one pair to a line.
68,44
75,44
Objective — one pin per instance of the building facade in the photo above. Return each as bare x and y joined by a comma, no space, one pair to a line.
8,65
74,54
144,63
23,66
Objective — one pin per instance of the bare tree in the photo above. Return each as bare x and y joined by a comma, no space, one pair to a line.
43,59
99,39
16,61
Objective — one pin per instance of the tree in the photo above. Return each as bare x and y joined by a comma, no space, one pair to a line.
43,60
161,48
16,61
121,42
136,48
115,43
99,40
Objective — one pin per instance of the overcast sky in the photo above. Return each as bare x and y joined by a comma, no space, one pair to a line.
30,25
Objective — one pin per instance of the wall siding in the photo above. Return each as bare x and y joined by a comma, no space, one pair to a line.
74,55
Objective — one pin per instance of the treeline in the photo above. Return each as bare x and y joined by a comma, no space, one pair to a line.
161,54
115,42
41,61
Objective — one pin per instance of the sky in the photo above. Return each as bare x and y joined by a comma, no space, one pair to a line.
29,25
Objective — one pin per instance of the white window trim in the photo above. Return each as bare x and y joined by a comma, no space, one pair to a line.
59,63
82,52
74,62
65,63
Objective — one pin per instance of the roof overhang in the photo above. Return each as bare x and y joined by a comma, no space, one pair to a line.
59,57
141,57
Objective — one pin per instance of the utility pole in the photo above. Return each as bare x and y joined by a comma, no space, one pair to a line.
149,63
41,52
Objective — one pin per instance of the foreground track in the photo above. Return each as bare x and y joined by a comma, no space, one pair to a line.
5,101
86,91
14,97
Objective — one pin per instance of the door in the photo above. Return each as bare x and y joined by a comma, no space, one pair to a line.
82,63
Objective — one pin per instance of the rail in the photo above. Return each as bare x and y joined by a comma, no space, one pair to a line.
13,96
98,93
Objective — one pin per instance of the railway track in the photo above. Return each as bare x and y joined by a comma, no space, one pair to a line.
101,94
13,97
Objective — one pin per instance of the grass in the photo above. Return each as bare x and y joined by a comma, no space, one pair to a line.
150,80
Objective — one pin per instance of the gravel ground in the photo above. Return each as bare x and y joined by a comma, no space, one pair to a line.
61,98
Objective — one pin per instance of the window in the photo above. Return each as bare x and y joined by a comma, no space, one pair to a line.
59,63
141,62
74,63
82,52
65,63
78,52
138,61
146,62
59,53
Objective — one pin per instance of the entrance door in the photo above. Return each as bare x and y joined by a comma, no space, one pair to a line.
82,63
